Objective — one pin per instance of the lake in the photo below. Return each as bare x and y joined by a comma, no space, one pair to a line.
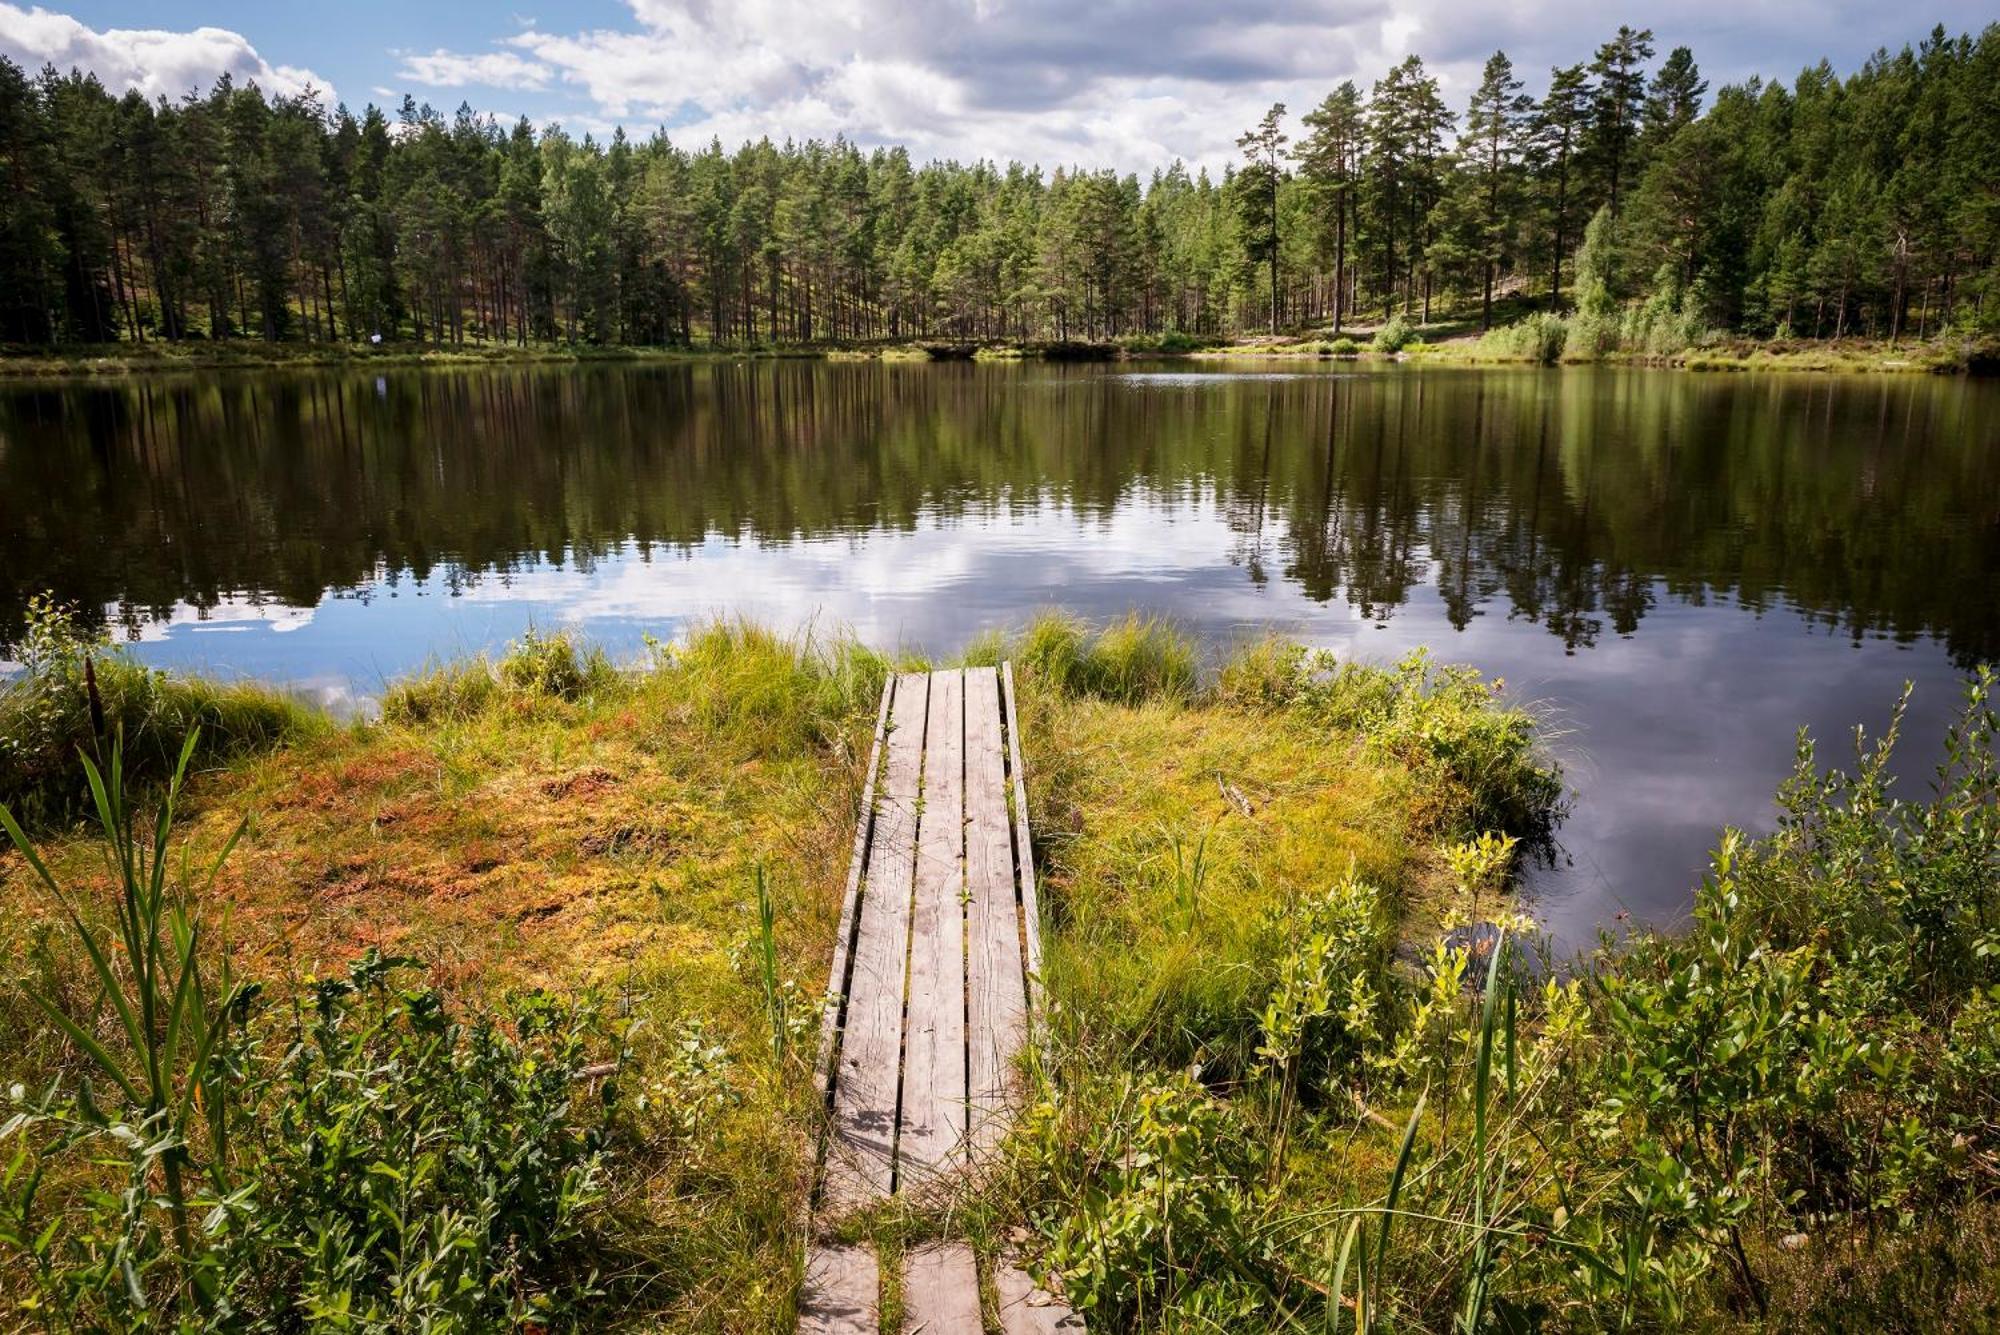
1680,569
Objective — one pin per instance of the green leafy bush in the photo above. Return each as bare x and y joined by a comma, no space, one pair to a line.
1541,339
1827,1031
1395,334
1156,1204
1670,320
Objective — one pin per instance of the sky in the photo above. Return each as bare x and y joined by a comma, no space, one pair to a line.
1122,83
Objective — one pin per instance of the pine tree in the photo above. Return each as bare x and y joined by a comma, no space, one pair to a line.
1257,196
1495,124
1329,157
1559,127
1620,98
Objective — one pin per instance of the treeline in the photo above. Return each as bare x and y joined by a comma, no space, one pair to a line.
1833,206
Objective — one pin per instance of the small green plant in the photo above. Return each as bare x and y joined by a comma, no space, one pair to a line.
551,665
1326,1001
168,1088
791,1017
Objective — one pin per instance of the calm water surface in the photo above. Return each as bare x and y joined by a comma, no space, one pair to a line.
1684,569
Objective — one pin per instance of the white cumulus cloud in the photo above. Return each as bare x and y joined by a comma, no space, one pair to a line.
1127,83
488,69
159,62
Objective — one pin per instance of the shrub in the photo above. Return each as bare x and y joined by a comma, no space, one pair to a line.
1821,1045
1670,320
1540,339
1344,347
1395,334
1156,1210
1327,995
77,691
1171,342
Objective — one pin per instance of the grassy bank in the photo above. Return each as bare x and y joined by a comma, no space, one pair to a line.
1300,1071
1290,1095
1533,339
1543,341
1665,340
247,354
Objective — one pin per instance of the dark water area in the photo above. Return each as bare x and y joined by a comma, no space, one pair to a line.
1682,570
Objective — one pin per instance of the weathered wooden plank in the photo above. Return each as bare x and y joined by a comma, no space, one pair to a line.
995,978
933,1130
850,903
842,1292
860,1160
1024,848
1028,1310
941,1291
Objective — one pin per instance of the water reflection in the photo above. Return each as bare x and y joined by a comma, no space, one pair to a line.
1686,568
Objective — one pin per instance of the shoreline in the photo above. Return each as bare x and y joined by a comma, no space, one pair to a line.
1273,895
1448,345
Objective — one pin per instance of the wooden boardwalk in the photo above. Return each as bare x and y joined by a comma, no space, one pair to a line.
936,965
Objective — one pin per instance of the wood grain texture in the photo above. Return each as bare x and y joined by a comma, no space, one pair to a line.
938,955
934,1103
941,1291
1024,846
996,994
860,1159
850,901
842,1292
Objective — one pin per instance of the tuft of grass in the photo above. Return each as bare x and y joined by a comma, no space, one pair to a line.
1131,660
455,692
553,665
538,666
77,691
769,691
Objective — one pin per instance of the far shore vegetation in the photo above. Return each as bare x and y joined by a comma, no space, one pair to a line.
497,1009
1535,340
1616,207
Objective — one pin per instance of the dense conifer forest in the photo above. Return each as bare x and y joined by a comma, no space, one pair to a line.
1827,206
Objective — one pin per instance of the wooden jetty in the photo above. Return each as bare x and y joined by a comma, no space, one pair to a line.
936,969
